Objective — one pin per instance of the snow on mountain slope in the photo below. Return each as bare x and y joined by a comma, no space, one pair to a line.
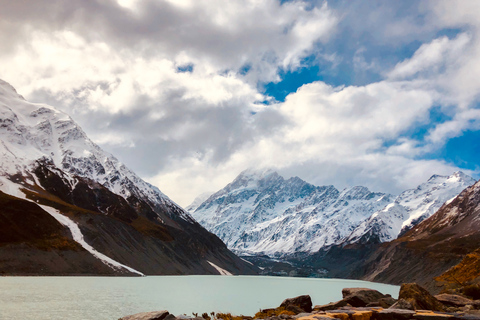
36,132
410,208
262,213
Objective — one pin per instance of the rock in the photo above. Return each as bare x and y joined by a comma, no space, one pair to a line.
428,315
361,297
303,302
453,300
466,317
339,314
303,314
155,315
330,306
419,297
393,314
315,317
293,308
362,315
402,304
170,317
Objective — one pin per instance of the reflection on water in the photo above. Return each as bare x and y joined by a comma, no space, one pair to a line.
109,298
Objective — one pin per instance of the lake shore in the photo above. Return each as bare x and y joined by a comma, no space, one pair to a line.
414,302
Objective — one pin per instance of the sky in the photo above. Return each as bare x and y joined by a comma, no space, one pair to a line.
189,93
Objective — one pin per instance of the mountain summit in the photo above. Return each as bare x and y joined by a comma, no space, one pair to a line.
93,215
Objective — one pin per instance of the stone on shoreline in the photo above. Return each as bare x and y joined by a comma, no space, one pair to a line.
154,315
419,297
303,302
453,300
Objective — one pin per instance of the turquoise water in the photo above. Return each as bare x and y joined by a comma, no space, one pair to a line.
99,298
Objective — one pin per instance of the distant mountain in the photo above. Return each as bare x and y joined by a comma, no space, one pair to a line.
90,213
440,252
410,208
261,213
443,251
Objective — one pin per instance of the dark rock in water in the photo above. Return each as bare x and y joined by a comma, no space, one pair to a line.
393,314
361,297
453,300
155,315
419,297
303,302
402,304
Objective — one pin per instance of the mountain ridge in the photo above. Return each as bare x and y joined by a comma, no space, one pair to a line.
48,159
254,213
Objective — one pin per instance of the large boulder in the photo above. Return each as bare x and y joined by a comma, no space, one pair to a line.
301,302
420,298
453,300
361,297
155,315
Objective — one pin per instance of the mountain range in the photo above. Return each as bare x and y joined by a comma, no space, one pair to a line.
261,213
69,207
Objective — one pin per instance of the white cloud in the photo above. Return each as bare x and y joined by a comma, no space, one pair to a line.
113,65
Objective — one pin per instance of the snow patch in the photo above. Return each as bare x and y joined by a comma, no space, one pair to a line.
78,237
221,271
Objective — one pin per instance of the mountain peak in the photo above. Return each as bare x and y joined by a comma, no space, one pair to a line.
6,89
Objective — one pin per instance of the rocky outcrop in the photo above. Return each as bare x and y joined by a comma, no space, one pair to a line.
453,300
361,297
302,302
299,306
419,298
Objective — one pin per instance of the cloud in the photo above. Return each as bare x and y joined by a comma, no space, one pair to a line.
174,88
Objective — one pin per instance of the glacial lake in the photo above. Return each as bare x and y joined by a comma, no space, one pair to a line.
109,298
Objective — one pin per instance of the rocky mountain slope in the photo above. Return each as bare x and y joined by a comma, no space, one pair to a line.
440,252
262,213
410,208
85,211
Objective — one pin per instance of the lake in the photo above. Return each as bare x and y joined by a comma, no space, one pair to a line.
109,298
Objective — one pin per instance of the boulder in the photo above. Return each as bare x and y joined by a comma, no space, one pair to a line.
348,291
155,315
402,304
419,297
361,297
302,302
453,300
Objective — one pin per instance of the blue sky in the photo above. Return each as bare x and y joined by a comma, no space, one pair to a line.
190,93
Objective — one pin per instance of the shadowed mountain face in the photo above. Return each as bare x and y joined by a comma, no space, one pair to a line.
86,213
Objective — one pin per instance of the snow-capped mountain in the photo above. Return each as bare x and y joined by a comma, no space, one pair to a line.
410,208
262,213
47,159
